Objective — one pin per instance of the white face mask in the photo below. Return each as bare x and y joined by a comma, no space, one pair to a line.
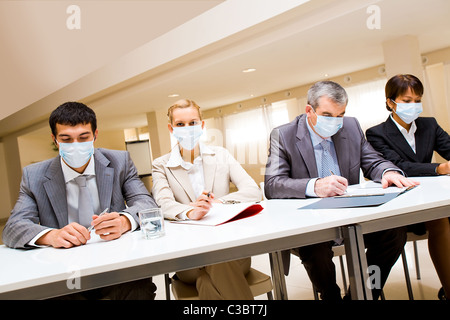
76,154
328,126
408,112
188,136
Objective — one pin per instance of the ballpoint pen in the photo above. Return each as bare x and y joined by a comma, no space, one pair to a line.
103,212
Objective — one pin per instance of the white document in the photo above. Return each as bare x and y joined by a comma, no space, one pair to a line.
370,188
221,213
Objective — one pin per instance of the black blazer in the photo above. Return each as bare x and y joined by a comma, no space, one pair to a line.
387,139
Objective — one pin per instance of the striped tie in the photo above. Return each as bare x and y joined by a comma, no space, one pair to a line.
85,207
328,164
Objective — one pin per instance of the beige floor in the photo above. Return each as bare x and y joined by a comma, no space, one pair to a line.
299,286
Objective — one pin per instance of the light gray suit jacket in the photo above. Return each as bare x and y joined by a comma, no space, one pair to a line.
42,201
291,163
173,191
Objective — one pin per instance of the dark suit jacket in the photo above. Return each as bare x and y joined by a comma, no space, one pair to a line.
387,139
291,163
42,199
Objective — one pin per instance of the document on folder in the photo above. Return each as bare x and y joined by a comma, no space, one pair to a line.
364,195
223,213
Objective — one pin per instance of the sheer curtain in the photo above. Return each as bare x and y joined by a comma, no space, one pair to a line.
367,103
246,135
436,97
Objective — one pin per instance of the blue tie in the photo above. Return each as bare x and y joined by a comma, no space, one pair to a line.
328,163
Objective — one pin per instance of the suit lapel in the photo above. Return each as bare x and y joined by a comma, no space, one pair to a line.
180,174
397,138
55,187
104,176
304,146
342,151
422,141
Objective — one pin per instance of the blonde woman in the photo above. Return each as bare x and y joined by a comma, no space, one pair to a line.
185,184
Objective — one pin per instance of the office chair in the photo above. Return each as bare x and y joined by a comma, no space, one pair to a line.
412,237
259,283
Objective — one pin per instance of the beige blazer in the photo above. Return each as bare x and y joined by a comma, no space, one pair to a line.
172,189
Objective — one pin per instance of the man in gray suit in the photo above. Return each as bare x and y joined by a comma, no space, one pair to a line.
318,155
61,197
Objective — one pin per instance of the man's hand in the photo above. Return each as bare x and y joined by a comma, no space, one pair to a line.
111,225
396,178
69,236
330,186
443,168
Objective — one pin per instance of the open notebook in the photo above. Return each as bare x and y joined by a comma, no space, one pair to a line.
223,213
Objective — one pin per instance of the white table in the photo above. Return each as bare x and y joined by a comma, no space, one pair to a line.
44,273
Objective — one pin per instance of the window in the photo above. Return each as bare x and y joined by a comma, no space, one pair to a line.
367,103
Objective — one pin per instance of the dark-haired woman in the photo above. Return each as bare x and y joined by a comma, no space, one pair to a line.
409,142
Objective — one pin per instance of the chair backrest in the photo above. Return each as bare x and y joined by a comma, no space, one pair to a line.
261,185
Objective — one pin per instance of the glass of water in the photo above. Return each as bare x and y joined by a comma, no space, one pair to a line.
152,223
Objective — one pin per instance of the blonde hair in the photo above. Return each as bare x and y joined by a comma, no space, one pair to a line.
183,103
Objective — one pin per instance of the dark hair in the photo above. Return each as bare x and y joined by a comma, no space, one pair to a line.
72,113
399,84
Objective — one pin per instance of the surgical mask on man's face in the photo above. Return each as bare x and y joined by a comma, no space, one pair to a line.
328,126
408,112
76,154
188,136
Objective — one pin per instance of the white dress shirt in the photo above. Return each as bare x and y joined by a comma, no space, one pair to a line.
194,171
409,135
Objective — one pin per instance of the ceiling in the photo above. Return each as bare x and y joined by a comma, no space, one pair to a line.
292,48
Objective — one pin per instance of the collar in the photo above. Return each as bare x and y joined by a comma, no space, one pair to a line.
176,160
70,174
412,130
315,138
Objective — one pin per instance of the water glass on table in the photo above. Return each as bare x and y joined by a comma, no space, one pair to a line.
152,223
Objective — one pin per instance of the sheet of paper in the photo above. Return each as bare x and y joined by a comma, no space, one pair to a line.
219,213
370,188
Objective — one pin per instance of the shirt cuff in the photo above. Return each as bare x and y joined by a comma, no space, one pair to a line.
133,222
32,242
310,188
183,215
393,169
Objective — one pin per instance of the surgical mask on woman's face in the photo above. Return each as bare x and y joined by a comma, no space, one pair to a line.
76,154
328,126
408,112
188,136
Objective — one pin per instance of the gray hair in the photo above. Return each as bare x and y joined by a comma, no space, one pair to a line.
331,89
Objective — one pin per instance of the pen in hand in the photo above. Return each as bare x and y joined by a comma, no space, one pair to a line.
103,212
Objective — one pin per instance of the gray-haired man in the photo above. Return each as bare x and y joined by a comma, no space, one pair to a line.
318,155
